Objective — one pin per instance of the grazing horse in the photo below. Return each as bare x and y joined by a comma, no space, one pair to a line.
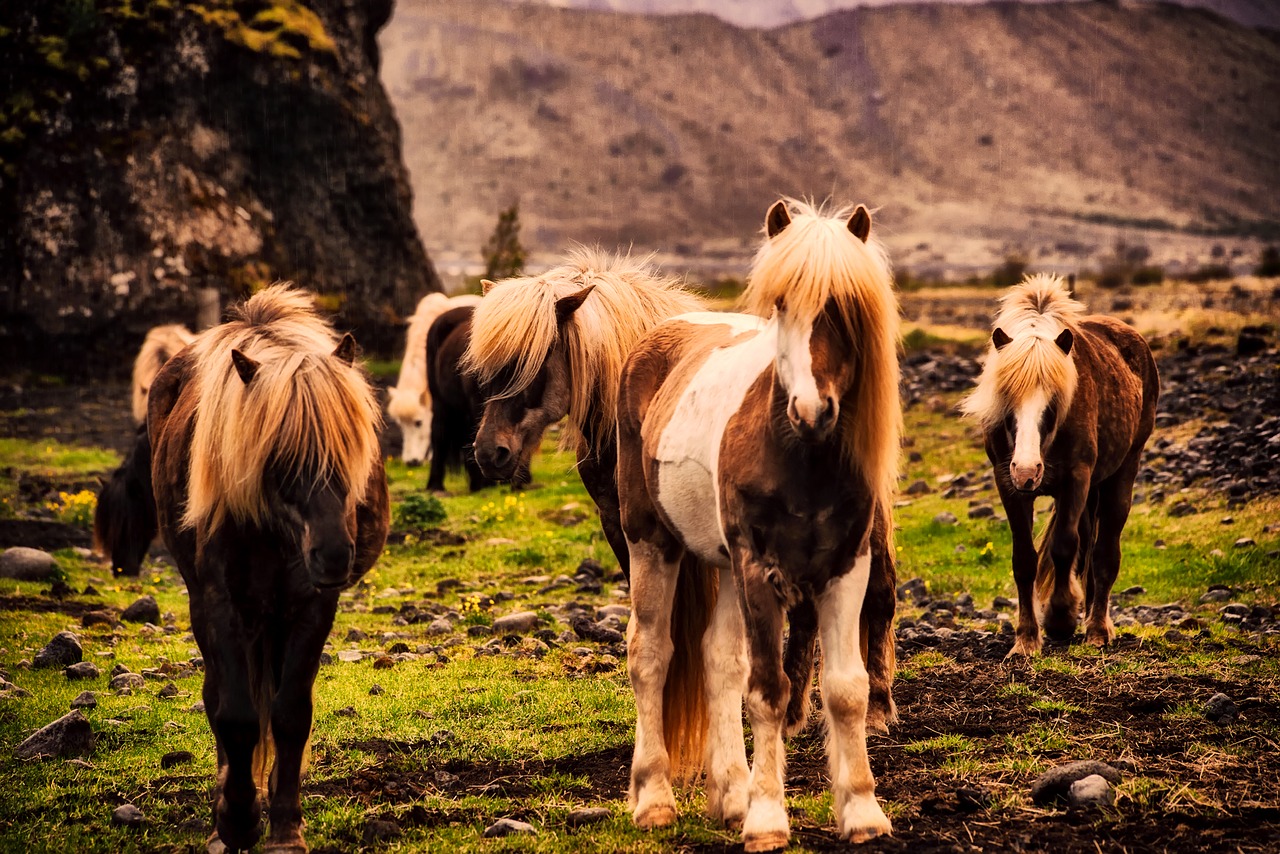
1066,404
161,344
409,400
767,449
272,497
456,402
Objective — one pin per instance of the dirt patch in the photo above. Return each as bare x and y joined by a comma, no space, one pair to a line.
42,534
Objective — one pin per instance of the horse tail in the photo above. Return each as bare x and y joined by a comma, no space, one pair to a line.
262,692
684,701
124,522
797,662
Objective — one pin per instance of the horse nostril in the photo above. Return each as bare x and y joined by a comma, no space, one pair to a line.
501,456
828,413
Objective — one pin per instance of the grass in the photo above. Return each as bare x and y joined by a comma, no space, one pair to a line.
452,708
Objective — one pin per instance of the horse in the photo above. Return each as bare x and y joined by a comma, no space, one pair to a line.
553,345
768,449
262,438
160,345
409,400
1066,403
456,401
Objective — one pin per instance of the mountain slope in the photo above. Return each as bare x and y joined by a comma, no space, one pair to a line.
979,130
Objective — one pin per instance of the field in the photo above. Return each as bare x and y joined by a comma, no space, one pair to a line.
431,726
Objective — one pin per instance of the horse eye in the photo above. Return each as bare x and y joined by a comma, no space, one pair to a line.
418,423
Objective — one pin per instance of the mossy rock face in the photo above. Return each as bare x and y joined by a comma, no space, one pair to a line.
283,28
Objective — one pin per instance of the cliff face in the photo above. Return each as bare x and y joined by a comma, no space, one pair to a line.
150,148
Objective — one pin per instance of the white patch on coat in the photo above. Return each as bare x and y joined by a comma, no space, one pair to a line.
688,450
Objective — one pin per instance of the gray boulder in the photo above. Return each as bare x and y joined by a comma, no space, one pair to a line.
515,624
145,610
69,735
83,670
1091,791
127,815
62,651
1055,784
26,564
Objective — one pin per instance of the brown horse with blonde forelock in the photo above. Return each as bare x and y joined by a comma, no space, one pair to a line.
769,450
262,438
161,344
1066,403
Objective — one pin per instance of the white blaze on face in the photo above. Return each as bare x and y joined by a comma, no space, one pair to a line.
1027,462
417,437
795,370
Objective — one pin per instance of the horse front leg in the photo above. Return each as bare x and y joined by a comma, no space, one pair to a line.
1115,498
725,652
649,650
291,717
766,827
237,812
1021,512
845,697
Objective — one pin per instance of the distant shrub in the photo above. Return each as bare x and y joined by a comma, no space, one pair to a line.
1210,273
504,255
1111,276
419,511
1010,271
1269,265
1148,275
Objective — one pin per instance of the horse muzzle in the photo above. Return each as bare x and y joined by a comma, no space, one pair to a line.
814,423
1026,478
497,461
330,568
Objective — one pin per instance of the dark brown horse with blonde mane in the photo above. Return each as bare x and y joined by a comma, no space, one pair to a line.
262,438
769,450
1066,405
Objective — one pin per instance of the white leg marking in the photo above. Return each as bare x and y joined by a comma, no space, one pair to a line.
724,648
844,697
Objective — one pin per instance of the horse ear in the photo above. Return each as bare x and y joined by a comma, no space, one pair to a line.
486,285
999,338
777,218
245,366
1064,340
566,306
346,350
860,223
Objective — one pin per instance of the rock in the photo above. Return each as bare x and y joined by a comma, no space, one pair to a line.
622,612
913,589
1244,543
439,626
918,487
1221,709
506,827
586,815
24,564
1216,594
446,780
515,624
176,757
445,585
69,735
1091,791
350,655
1003,603
588,630
1054,784
946,517
168,691
83,670
61,651
85,700
126,680
98,618
1135,590
1182,508
355,636
590,567
145,610
981,511
127,815
118,669
347,712
380,830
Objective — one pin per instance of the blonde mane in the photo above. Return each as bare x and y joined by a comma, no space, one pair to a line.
161,344
515,327
815,259
1033,314
303,409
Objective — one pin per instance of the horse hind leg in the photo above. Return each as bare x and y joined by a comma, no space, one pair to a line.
878,607
725,653
1103,567
1057,576
845,696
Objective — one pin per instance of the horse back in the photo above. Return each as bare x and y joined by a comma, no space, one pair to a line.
1119,387
171,411
446,342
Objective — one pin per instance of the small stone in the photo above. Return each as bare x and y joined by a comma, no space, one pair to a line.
126,680
197,708
62,650
506,827
1216,594
375,689
85,700
1135,590
176,757
587,630
913,589
445,585
350,655
981,511
380,830
1182,508
1003,603
586,815
946,517
1054,784
127,815
168,691
145,610
25,564
918,487
355,636
118,669
446,780
347,712
83,670
1221,709
69,735
591,567
98,618
439,626
515,624
1091,791
1244,543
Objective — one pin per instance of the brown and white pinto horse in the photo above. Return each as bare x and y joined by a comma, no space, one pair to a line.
262,439
769,450
1066,405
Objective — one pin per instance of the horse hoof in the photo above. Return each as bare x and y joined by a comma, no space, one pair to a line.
772,840
214,845
658,815
1023,649
1098,638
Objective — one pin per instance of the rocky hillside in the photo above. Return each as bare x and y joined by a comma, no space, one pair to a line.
1050,130
150,148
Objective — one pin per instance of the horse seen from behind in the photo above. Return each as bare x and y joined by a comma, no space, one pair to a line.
262,438
768,450
1066,403
456,401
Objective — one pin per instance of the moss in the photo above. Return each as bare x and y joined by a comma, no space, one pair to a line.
285,29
